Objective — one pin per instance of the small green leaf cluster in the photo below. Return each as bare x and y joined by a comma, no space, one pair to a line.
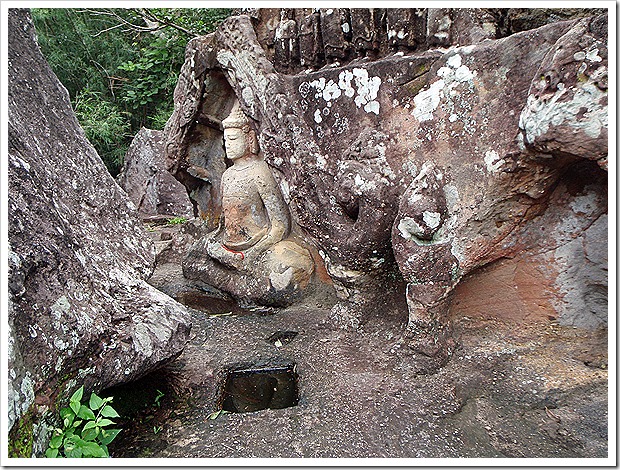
84,432
176,221
216,414
152,77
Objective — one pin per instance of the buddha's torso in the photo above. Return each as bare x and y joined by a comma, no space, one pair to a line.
244,213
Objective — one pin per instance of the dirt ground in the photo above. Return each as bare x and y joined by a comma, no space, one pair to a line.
512,389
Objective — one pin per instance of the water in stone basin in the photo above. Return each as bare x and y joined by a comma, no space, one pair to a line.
249,390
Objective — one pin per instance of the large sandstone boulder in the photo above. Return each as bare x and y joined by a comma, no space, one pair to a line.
145,179
80,311
422,167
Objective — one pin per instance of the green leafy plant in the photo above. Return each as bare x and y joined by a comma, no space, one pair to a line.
85,430
176,221
216,414
158,398
120,66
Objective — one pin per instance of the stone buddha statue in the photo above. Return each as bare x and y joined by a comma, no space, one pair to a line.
251,254
255,216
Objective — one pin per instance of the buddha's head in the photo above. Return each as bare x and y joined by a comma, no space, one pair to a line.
239,137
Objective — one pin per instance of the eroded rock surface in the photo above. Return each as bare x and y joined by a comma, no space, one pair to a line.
147,182
298,39
411,171
80,311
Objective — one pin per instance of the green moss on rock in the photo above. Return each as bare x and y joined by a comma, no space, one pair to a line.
21,436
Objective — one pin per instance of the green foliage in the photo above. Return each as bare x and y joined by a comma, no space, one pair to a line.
160,117
119,69
195,21
150,80
158,398
176,221
105,126
85,430
216,414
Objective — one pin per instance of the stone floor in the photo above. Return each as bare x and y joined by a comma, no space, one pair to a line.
511,389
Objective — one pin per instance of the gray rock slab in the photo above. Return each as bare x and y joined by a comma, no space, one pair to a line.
80,311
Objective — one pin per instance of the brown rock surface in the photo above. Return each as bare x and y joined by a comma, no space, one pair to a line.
297,39
80,310
438,162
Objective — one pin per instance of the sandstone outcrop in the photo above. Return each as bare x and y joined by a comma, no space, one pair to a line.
298,39
80,311
419,162
147,182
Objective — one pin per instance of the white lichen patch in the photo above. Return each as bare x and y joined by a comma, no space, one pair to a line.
317,117
344,82
451,76
432,219
321,162
593,56
492,161
331,91
443,28
350,83
372,107
60,307
540,114
426,102
60,344
362,185
466,50
463,74
520,142
409,229
27,390
453,200
367,89
410,168
454,61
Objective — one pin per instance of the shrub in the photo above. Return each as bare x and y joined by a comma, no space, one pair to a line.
84,433
105,126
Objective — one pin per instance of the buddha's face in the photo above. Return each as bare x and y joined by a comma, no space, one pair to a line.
235,143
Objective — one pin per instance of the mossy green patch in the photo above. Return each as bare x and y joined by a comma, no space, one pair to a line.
21,436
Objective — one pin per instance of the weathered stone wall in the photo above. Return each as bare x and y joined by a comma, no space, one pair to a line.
437,162
147,182
80,311
298,39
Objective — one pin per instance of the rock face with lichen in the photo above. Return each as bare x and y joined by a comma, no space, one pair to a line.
423,151
80,311
152,189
